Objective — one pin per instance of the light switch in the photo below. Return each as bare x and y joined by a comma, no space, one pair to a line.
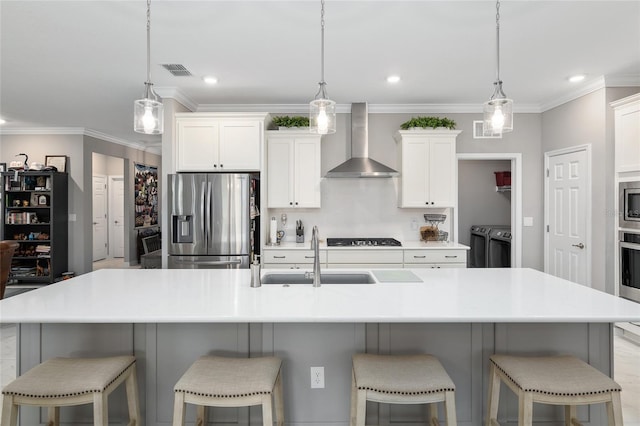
527,221
72,217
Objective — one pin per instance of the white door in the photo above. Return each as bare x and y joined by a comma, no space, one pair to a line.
99,217
116,216
568,215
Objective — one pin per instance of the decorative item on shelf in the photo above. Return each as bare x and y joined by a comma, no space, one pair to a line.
428,122
57,162
498,110
43,200
322,110
296,122
148,111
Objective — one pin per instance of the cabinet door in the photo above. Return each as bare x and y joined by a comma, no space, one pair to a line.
441,172
627,128
240,145
280,172
197,145
307,173
415,173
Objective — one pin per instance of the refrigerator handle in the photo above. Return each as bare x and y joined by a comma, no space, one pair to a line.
209,262
208,215
203,220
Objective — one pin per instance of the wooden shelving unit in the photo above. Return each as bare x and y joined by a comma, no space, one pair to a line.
34,214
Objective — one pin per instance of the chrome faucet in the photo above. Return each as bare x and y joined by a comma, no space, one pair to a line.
315,242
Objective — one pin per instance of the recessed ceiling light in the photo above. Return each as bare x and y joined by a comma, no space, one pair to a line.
2,121
576,78
210,79
393,79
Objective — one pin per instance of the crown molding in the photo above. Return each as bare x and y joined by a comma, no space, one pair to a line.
178,95
81,131
623,80
583,90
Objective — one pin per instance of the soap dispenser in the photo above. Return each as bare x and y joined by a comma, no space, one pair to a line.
255,272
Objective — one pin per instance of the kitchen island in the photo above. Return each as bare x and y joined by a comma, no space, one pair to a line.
168,318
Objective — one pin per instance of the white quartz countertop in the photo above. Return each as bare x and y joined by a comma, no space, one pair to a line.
445,295
405,245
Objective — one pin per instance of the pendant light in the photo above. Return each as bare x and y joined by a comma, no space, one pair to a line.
148,114
498,111
322,110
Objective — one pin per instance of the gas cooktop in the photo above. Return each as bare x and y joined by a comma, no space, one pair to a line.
366,242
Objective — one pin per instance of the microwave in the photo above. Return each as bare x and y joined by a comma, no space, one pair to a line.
629,194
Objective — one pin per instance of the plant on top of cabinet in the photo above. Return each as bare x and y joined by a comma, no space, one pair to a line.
287,121
426,122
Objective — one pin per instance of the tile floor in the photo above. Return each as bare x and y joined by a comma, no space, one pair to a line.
113,263
626,353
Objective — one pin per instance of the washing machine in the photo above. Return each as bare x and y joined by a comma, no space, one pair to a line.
499,252
479,243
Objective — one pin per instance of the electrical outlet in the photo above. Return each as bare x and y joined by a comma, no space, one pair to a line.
317,377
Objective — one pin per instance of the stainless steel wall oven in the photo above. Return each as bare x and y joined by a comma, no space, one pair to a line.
630,266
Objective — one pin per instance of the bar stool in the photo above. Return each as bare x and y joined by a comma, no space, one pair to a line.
401,379
558,380
214,381
61,382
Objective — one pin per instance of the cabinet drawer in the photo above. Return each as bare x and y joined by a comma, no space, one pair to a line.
435,265
435,256
364,256
291,256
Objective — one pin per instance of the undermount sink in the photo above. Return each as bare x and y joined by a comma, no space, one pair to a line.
325,278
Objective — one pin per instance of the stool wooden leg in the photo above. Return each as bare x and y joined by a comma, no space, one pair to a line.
133,402
354,399
433,414
279,400
178,409
525,409
9,411
100,409
614,410
450,409
267,413
53,413
570,413
201,415
494,397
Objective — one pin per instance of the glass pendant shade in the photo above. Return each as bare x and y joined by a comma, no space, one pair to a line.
322,116
148,116
498,113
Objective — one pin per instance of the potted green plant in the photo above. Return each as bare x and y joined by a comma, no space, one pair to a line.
428,122
288,122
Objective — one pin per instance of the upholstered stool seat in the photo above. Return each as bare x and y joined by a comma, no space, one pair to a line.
61,382
214,381
559,380
401,379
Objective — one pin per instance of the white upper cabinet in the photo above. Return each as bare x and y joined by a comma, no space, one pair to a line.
428,172
293,169
212,142
627,125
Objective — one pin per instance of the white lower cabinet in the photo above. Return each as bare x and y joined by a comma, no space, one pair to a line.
368,259
428,258
291,259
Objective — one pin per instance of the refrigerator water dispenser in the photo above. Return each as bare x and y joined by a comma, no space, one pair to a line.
182,229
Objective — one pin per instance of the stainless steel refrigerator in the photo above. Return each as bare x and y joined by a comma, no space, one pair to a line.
210,220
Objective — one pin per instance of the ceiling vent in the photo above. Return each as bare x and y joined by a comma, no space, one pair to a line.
177,70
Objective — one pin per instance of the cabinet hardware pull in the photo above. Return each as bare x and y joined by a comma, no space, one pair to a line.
215,165
419,257
309,257
279,257
221,165
290,203
451,257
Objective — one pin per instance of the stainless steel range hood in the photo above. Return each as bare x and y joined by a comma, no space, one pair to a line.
360,165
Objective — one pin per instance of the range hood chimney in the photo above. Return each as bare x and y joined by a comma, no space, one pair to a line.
360,165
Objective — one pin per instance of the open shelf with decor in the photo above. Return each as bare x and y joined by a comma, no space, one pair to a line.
34,214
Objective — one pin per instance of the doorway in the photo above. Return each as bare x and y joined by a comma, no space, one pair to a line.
567,211
508,201
108,207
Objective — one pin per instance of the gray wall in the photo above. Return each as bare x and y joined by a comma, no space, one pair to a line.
79,150
478,201
589,120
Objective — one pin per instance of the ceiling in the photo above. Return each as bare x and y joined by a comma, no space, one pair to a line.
81,64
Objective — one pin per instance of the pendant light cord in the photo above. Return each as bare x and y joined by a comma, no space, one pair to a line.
148,41
322,93
498,40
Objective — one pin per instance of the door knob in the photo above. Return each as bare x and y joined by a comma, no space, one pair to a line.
95,223
580,246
